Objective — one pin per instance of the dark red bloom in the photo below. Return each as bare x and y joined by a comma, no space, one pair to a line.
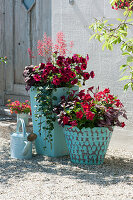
89,115
86,75
83,66
59,63
86,97
42,66
90,89
37,77
92,74
82,60
56,81
65,120
106,90
78,70
49,66
79,114
55,70
81,93
122,124
72,74
65,79
87,57
73,82
86,107
110,96
74,123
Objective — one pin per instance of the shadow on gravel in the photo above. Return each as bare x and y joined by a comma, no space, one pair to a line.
113,171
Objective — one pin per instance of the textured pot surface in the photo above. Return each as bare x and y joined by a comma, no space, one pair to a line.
87,146
59,147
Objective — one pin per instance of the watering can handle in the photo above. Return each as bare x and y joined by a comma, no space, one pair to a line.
21,123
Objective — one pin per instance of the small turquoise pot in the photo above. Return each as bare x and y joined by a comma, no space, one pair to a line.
59,147
87,146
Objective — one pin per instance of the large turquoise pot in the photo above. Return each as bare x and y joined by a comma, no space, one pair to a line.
87,146
59,147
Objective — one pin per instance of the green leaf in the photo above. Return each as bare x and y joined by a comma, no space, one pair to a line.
118,19
92,36
126,53
125,78
122,66
130,59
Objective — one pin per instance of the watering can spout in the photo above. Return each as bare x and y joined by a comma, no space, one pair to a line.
26,148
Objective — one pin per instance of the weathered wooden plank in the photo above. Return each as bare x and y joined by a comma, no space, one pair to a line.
2,82
21,57
9,38
43,20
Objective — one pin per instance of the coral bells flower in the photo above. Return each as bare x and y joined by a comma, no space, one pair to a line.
79,114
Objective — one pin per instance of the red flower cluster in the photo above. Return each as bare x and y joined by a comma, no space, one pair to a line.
18,107
120,4
62,72
101,109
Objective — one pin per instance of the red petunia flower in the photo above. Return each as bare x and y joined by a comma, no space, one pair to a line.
37,77
86,97
56,81
65,120
107,90
89,115
79,114
86,75
92,74
73,82
122,124
83,66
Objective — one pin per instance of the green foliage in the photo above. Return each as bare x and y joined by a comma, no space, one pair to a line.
3,59
110,35
44,98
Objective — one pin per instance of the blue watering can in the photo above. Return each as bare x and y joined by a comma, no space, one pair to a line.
20,147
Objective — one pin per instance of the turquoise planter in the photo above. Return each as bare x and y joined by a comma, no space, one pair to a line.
87,146
59,147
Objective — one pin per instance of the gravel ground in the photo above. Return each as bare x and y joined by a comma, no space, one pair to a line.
44,178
